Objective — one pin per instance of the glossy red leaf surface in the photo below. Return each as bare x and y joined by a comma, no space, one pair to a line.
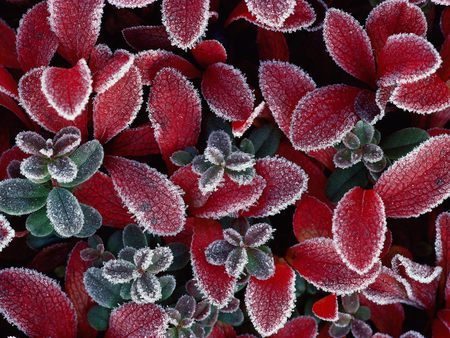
349,45
36,43
66,16
138,141
270,302
319,263
417,182
283,85
99,193
302,325
154,200
8,55
45,312
227,92
212,280
323,117
209,52
137,320
115,69
326,308
117,107
271,13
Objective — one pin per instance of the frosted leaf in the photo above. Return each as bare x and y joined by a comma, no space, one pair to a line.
154,200
161,260
142,258
359,229
134,236
227,92
350,303
147,38
368,108
209,52
260,264
67,90
343,320
386,289
372,153
20,196
236,261
8,85
220,140
137,320
412,334
30,142
349,45
13,169
285,183
35,169
200,164
130,3
442,241
323,117
168,285
343,158
185,22
175,112
36,43
418,272
239,161
115,68
92,221
361,329
211,179
202,310
238,128
242,177
101,290
137,142
127,253
45,312
233,237
63,170
66,144
214,155
406,58
270,302
319,263
6,233
64,212
217,252
116,108
304,325
364,131
66,16
258,234
232,306
148,288
119,271
351,141
417,182
326,308
99,57
271,13
186,306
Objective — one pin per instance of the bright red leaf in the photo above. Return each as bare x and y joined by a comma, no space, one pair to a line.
208,52
303,326
115,69
326,308
238,128
134,142
187,180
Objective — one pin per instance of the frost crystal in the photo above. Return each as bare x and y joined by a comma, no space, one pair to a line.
6,233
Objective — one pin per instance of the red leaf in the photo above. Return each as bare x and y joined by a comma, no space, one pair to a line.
270,302
8,56
187,180
425,96
285,183
394,17
7,156
37,106
359,229
67,90
77,293
417,182
150,62
213,280
36,43
387,289
117,107
130,3
406,58
175,112
8,85
302,326
154,200
349,45
319,263
66,18
115,69
44,312
445,21
6,232
134,142
227,92
272,45
271,13
326,308
185,22
283,85
98,192
208,52
138,320
147,37
49,258
238,128
442,242
312,218
323,117
324,156
100,56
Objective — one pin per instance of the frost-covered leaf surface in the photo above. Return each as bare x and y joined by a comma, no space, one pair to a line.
6,232
304,325
326,308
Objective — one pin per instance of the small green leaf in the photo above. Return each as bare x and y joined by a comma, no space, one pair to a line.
64,212
92,221
235,318
20,196
98,317
403,141
265,140
100,289
364,131
247,146
181,256
181,158
115,243
342,180
134,236
168,285
38,243
363,313
38,223
88,158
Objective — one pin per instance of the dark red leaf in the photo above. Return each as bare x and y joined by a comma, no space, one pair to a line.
100,56
208,52
134,142
442,242
271,13
147,37
272,45
7,156
8,85
49,258
8,56
113,70
303,326
326,308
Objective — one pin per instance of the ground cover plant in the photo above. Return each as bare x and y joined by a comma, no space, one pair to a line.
224,168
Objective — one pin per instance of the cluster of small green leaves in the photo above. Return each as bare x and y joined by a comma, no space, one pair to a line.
351,318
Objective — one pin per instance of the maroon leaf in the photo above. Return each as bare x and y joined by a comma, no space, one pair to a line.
212,280
13,154
50,257
303,326
138,320
66,18
44,312
319,263
187,180
147,37
238,128
326,308
113,70
100,56
272,45
270,302
8,85
138,141
442,242
154,200
6,232
117,107
8,56
208,52
417,182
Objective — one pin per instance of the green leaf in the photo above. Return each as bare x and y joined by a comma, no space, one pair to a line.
92,221
181,256
64,212
168,285
98,317
134,236
38,223
235,318
88,158
265,140
247,146
100,289
20,196
402,142
363,313
181,158
342,180
115,243
38,243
